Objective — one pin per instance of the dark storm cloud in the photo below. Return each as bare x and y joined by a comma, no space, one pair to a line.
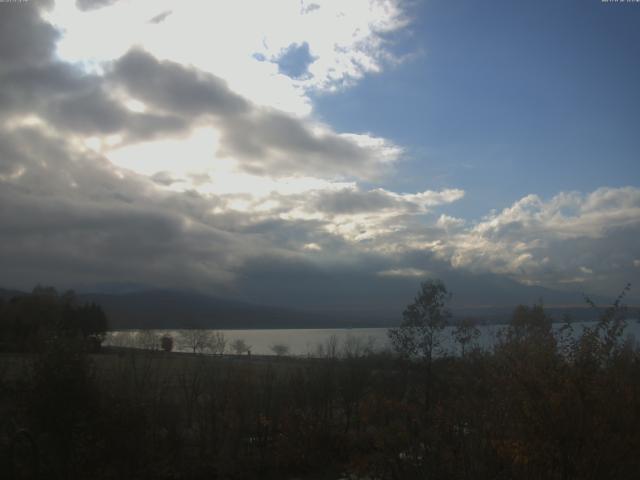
296,235
90,112
11,158
69,217
24,39
356,286
296,281
31,88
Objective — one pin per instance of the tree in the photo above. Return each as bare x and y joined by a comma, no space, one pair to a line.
93,324
280,349
28,321
465,333
218,343
530,322
147,340
239,346
195,340
166,343
328,348
600,343
423,322
357,347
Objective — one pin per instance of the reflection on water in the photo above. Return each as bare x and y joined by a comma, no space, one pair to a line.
303,342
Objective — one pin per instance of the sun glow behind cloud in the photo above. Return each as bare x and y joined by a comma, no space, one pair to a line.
194,153
191,163
239,42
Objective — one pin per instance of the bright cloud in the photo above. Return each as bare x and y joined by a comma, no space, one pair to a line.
570,238
176,69
404,272
240,41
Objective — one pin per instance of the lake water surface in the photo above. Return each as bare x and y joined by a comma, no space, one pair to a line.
303,342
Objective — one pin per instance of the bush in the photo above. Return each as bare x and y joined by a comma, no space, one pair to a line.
166,343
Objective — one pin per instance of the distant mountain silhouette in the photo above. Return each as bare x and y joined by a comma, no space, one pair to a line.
6,294
176,309
488,302
164,309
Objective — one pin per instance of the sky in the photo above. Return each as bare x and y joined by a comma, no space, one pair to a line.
323,154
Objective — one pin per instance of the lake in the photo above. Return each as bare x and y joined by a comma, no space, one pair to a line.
307,342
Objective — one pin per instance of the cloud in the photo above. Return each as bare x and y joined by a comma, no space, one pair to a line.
172,87
36,85
404,272
447,222
376,219
346,40
67,99
173,99
243,41
72,218
330,287
312,247
262,140
572,238
161,17
166,173
86,5
352,201
25,41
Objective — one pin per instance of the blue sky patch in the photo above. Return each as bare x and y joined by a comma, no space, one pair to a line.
295,60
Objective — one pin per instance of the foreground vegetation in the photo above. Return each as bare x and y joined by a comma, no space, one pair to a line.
537,405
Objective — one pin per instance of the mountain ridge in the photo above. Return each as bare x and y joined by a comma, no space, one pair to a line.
169,309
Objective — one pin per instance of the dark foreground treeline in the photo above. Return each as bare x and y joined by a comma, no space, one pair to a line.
538,406
29,322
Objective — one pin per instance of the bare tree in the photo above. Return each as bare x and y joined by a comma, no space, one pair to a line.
328,349
239,346
466,333
280,349
419,335
196,340
147,340
217,343
356,347
121,339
